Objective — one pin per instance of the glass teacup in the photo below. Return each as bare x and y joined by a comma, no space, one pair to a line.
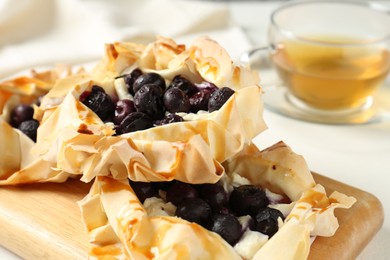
331,57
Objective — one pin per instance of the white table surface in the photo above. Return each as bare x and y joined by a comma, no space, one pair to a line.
355,155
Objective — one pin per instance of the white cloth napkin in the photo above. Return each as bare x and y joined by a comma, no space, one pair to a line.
45,32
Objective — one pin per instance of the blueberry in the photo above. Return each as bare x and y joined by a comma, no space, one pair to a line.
200,100
84,96
205,85
122,109
143,190
227,226
163,185
149,100
148,78
266,221
99,102
194,210
175,100
223,210
180,191
39,100
131,78
21,113
29,128
215,195
135,121
184,84
247,200
168,119
219,98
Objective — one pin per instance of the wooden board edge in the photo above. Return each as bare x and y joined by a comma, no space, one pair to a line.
355,231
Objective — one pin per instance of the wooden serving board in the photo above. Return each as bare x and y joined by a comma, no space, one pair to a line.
43,221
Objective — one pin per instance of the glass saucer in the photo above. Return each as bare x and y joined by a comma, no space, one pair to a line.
278,99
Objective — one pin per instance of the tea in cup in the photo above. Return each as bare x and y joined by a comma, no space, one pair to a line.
331,56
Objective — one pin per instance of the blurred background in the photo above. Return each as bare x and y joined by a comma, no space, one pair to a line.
41,32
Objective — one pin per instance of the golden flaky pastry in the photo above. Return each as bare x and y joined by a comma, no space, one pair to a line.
16,154
29,88
121,227
204,59
72,140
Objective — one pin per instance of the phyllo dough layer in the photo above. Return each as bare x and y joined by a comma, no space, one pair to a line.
72,140
116,219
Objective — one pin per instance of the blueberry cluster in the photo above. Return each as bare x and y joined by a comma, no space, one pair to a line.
153,102
210,206
22,118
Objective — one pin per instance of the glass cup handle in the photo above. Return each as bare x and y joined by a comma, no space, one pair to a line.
258,58
247,56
